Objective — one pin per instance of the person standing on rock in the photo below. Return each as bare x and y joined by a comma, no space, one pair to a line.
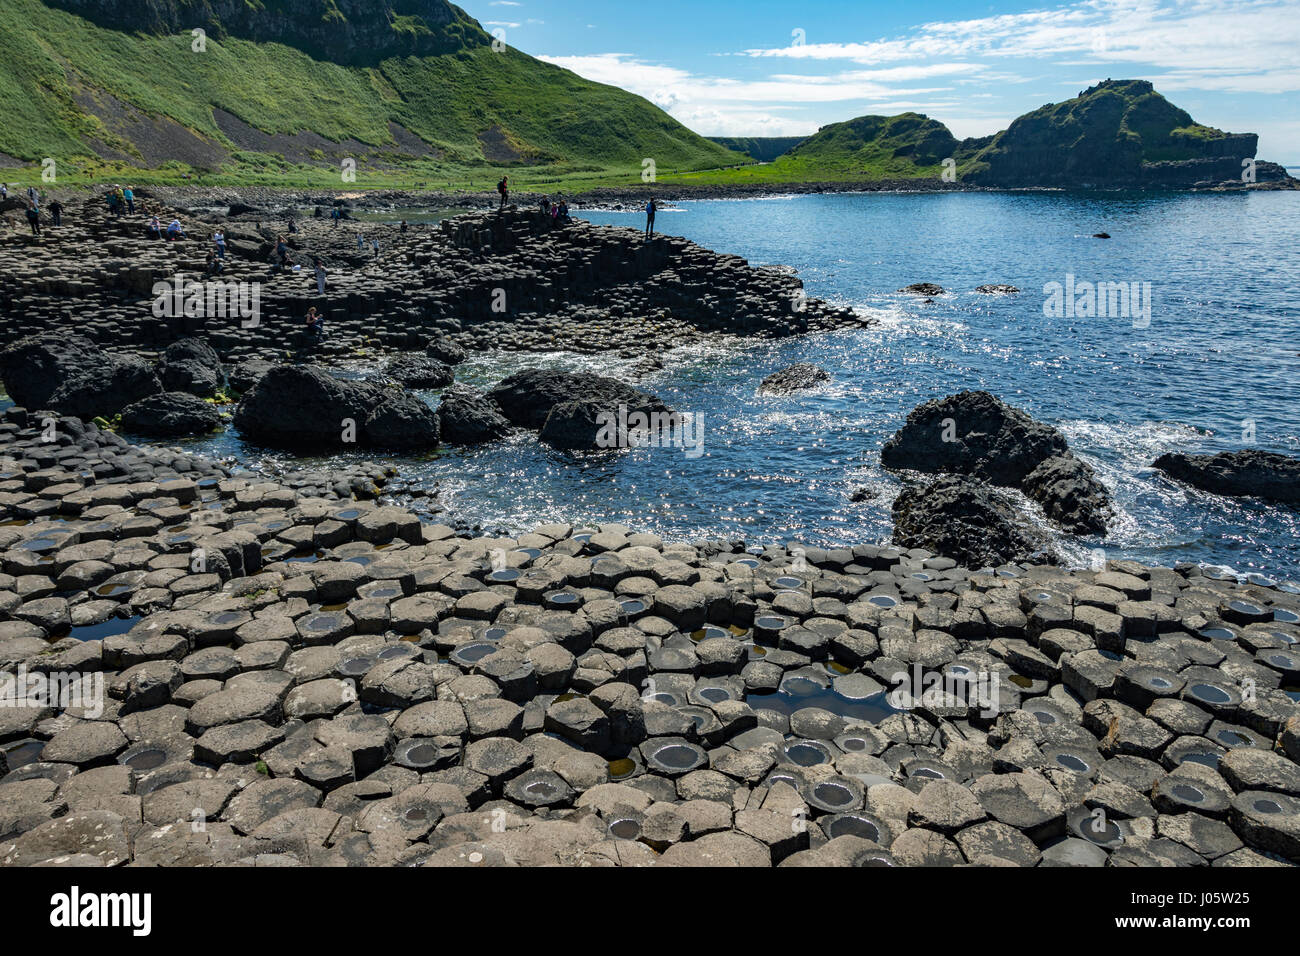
56,212
219,240
293,226
403,226
334,217
129,195
650,209
4,192
320,277
34,219
503,188
361,243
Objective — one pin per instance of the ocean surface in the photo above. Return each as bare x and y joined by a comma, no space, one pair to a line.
1210,362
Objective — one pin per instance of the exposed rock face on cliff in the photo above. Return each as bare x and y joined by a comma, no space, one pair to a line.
342,31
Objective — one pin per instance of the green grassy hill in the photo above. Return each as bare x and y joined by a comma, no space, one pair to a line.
1119,132
286,90
866,149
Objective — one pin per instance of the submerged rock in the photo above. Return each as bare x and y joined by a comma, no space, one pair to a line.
997,289
1250,472
70,374
794,378
526,398
963,519
470,418
169,415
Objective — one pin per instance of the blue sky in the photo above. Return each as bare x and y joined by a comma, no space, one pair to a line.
769,68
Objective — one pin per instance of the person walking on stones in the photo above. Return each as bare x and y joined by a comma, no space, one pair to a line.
503,188
361,243
403,226
56,212
281,253
335,217
293,226
219,240
650,209
4,192
34,219
320,276
129,195
32,197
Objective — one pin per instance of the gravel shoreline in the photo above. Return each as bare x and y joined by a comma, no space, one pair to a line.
301,681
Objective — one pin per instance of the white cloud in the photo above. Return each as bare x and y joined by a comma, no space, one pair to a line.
1233,46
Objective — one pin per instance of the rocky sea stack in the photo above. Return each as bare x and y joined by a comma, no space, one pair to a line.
978,436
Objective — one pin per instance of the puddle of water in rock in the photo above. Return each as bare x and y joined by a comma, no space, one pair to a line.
872,709
97,632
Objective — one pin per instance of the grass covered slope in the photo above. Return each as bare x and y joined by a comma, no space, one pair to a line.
865,149
1119,132
101,99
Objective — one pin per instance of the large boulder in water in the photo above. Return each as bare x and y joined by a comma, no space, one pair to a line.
400,420
419,371
794,378
963,519
71,375
248,373
445,350
972,433
978,435
574,425
304,407
470,418
191,365
526,398
1250,472
1070,494
170,415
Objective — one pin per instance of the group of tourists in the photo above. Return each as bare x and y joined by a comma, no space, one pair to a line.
121,201
174,231
558,210
32,211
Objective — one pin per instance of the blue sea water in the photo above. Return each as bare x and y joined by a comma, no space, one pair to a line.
1215,368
